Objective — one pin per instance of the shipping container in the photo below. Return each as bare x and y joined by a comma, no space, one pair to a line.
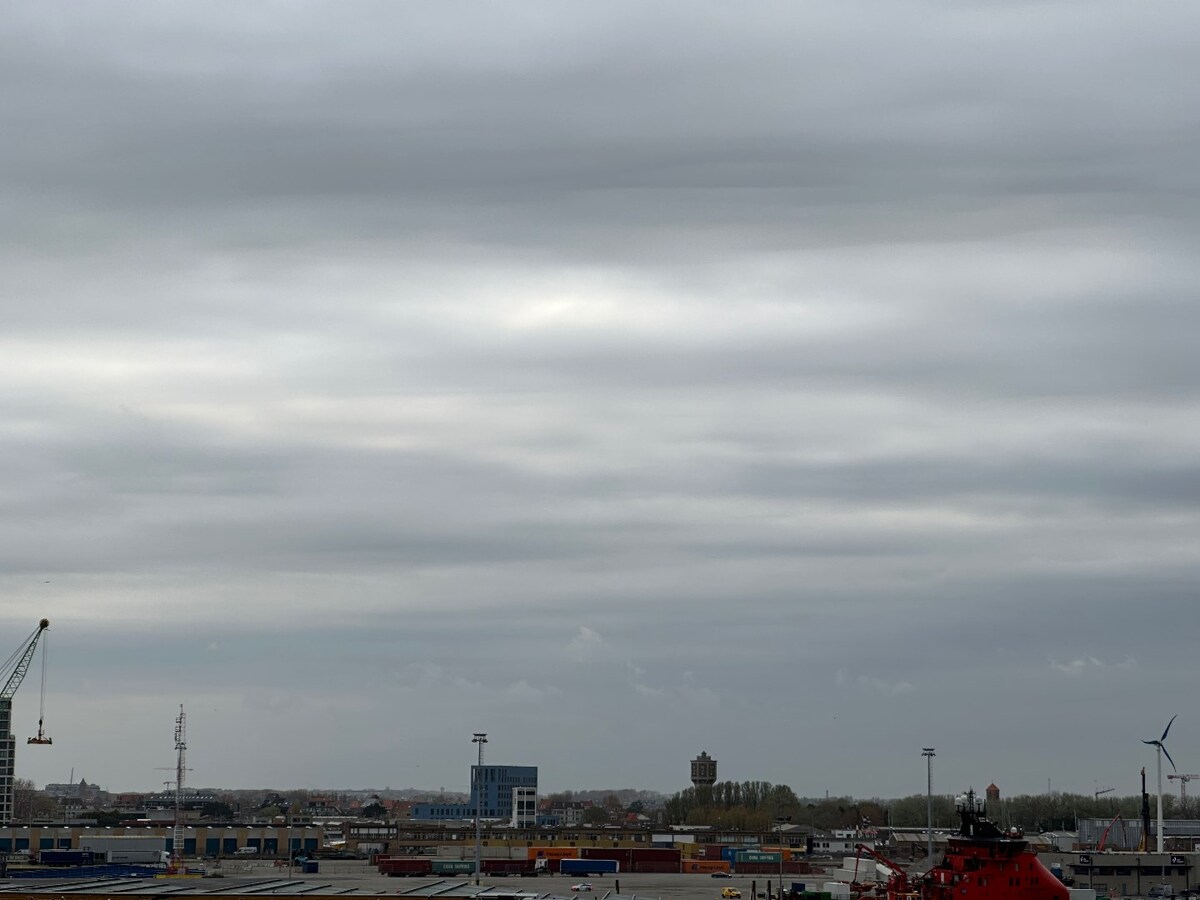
659,854
68,857
703,866
757,856
650,867
502,867
454,867
138,857
466,850
100,844
405,866
623,858
552,852
586,866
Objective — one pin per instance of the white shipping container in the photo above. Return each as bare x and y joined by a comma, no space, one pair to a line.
121,842
466,850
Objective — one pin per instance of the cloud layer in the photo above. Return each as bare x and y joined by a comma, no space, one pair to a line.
789,383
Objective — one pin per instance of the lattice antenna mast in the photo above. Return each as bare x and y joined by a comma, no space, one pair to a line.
180,770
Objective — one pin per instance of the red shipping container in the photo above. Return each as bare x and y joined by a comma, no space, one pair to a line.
657,854
655,867
405,866
623,856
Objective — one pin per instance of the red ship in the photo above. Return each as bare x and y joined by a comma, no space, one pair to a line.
981,863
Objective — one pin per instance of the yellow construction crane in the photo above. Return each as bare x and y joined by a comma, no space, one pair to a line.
16,665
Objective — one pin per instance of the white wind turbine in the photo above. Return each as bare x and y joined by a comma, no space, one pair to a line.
1158,745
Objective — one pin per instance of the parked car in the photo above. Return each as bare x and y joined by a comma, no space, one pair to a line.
582,888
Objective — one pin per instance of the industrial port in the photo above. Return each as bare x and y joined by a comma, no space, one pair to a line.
501,843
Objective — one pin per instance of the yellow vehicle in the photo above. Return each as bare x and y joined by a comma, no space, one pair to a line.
732,893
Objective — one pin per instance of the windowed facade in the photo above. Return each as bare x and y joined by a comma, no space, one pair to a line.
492,788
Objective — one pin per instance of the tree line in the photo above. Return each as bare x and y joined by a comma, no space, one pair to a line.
760,806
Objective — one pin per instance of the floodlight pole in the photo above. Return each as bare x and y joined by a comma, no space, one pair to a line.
779,823
928,753
479,738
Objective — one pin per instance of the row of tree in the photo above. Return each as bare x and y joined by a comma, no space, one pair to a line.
760,805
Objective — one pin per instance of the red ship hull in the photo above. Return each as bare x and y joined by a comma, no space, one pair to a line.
981,863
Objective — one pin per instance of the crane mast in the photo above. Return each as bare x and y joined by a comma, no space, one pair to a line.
17,666
1183,780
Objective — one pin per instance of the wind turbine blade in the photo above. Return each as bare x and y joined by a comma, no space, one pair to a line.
1151,743
1168,756
1168,728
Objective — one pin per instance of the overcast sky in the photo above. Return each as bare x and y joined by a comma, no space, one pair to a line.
806,383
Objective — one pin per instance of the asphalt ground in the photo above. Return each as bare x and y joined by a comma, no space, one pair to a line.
348,874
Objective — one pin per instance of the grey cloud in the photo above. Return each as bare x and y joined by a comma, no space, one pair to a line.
393,346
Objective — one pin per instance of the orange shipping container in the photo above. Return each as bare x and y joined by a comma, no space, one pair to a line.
705,866
553,852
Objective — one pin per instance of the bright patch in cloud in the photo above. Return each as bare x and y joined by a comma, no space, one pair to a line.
585,644
1079,666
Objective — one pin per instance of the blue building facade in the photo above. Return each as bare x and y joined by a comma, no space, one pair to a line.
493,785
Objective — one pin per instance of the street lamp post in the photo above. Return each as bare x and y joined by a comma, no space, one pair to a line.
928,753
479,738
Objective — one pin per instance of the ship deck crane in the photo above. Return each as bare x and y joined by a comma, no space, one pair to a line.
16,666
898,882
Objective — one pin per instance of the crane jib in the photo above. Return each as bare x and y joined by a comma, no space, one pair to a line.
22,666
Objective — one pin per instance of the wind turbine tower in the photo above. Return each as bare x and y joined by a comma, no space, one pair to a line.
1161,751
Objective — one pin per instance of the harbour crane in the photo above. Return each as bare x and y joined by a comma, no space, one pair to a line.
1183,780
16,666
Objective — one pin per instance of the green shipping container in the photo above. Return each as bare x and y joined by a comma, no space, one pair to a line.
454,867
757,856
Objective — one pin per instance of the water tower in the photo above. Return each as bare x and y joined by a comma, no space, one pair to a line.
704,771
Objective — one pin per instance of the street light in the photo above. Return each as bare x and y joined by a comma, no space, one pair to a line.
479,738
928,753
